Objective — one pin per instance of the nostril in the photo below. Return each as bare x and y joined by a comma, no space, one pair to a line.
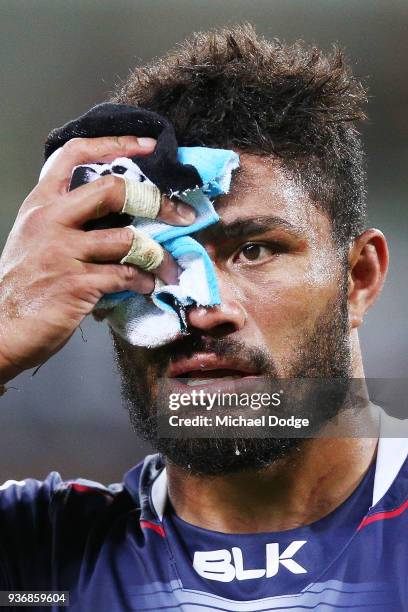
218,320
223,329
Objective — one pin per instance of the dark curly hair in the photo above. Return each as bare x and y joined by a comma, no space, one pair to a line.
232,88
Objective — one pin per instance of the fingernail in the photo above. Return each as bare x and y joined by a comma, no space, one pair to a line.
146,143
186,212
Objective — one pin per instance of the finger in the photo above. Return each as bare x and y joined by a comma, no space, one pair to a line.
175,212
108,245
111,278
57,171
145,200
114,244
149,255
109,194
168,270
91,201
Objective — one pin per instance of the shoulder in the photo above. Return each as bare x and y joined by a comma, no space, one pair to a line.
56,494
53,490
46,524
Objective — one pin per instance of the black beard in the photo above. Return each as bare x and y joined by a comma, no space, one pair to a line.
322,354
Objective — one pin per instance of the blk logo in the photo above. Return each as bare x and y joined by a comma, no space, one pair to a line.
225,566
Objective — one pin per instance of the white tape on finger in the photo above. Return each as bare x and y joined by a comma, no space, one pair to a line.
141,199
145,252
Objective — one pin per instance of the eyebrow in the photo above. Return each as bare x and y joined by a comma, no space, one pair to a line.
246,227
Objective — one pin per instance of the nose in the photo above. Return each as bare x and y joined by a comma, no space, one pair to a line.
221,320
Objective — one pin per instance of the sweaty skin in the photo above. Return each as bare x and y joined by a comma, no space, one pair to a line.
276,283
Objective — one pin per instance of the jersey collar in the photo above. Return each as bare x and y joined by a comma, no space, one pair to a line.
150,488
391,455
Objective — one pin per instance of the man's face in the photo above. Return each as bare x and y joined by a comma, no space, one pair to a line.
283,315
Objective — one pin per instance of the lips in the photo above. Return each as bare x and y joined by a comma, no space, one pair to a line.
203,366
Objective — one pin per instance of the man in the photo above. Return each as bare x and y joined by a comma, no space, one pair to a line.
237,523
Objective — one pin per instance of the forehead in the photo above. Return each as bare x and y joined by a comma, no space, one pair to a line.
262,186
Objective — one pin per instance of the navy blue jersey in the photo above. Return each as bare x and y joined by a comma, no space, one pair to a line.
121,547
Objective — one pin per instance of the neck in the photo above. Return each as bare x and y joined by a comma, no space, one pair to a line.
297,490
291,493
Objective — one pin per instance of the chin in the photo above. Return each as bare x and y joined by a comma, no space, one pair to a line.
219,457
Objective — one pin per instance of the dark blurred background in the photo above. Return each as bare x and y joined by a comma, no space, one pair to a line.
58,58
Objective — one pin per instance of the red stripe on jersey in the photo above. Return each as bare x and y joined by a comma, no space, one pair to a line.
157,528
380,516
80,487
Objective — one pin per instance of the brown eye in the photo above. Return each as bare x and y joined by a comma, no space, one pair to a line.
258,252
251,252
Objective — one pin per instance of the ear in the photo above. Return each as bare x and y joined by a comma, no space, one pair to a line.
368,265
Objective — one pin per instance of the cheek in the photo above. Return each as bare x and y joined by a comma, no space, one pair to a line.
284,305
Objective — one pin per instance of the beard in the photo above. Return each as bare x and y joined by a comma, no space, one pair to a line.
322,353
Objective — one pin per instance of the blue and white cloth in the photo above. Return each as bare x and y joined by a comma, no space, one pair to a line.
156,320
